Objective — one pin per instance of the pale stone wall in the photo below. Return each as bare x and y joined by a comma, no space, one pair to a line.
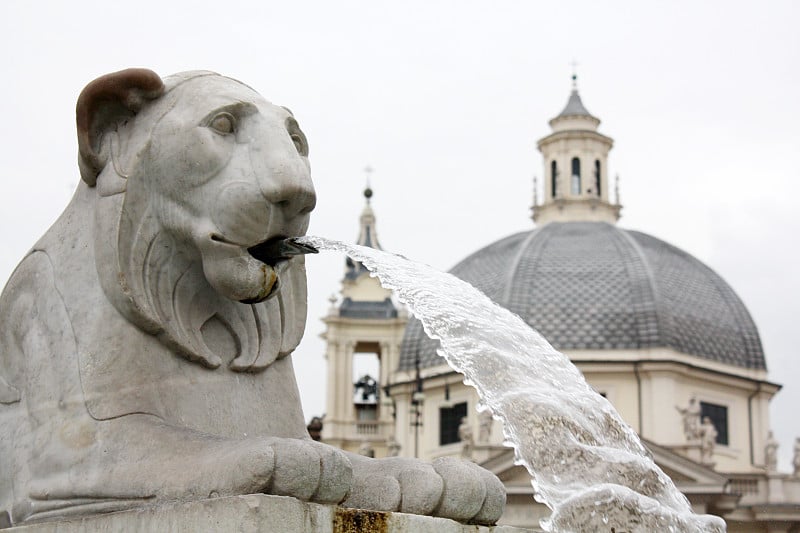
258,513
585,209
665,379
574,122
655,381
587,147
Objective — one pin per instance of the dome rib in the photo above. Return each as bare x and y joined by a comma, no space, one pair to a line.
533,249
651,331
752,342
707,318
585,290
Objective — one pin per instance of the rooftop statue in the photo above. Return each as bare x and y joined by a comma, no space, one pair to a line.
146,339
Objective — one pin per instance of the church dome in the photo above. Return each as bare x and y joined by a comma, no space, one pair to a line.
595,286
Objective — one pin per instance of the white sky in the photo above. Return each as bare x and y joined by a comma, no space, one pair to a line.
445,99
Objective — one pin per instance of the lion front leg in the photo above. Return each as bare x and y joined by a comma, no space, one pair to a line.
138,458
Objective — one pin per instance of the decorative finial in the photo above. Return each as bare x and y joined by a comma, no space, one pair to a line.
333,310
574,75
368,190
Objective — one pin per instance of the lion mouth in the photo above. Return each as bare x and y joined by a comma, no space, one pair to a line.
274,250
277,249
250,277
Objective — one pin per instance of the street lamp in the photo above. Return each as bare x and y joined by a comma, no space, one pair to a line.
417,398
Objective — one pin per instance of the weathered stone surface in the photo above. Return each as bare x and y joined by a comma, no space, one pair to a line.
258,513
146,340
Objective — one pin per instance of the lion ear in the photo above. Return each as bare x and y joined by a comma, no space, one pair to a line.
102,105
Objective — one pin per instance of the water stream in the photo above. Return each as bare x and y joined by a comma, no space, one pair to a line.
587,465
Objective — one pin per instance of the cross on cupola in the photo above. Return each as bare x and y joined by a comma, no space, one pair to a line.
368,190
574,75
576,184
367,235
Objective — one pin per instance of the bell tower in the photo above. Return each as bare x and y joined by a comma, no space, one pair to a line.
364,329
576,184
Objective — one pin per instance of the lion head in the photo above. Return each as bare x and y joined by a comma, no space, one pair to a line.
192,175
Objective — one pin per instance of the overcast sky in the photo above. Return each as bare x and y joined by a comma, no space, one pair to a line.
445,100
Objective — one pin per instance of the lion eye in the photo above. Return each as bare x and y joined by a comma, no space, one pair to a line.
299,141
223,123
297,136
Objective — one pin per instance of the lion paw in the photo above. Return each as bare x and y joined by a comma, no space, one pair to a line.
471,493
448,488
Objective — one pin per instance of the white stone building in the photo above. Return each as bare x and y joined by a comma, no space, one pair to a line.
654,330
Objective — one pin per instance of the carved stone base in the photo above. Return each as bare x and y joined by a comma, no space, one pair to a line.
258,513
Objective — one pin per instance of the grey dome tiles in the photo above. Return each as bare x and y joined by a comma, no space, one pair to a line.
592,285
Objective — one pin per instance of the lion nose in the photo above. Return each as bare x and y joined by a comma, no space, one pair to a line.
293,194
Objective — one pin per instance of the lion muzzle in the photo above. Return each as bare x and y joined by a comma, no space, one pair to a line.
240,277
250,275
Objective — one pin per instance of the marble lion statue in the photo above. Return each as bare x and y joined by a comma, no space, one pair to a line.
146,339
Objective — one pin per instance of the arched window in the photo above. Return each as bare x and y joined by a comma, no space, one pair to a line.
553,178
576,176
597,176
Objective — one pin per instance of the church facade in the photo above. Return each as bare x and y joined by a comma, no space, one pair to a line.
658,333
